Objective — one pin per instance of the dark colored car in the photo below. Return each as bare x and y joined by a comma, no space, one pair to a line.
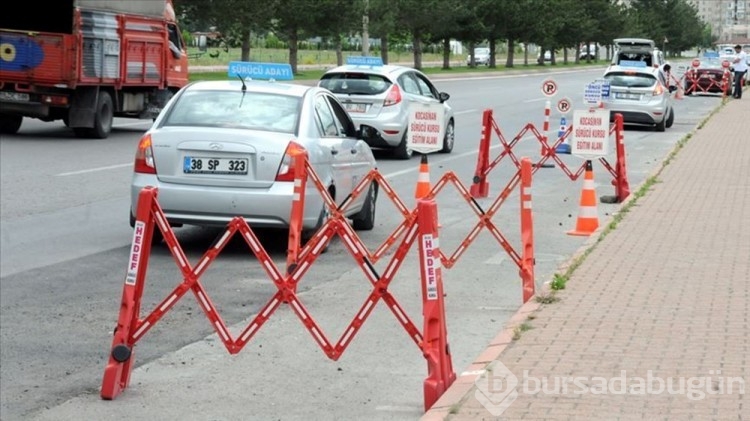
708,77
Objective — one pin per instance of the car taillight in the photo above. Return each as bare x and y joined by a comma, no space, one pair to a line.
144,157
658,90
394,96
286,169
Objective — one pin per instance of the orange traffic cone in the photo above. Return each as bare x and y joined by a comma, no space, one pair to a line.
423,181
678,93
588,215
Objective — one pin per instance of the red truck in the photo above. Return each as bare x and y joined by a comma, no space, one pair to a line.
88,61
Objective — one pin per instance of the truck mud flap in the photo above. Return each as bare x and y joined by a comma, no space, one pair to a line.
82,111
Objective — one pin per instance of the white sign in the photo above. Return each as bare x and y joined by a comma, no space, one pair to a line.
590,133
549,88
431,266
426,127
592,93
563,106
136,248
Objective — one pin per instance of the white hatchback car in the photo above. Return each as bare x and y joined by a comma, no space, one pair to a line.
378,98
641,95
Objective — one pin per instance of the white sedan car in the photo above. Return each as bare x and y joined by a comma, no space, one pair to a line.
220,149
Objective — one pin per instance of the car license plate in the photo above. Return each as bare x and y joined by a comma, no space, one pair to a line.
623,95
705,76
204,165
14,96
355,108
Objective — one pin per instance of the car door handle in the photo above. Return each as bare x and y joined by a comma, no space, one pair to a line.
334,151
353,151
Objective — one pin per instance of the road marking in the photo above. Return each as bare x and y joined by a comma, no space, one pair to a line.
108,167
464,112
453,157
535,100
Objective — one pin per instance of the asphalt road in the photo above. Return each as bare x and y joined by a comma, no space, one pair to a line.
64,245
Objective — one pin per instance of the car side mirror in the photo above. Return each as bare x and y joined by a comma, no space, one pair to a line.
443,96
667,67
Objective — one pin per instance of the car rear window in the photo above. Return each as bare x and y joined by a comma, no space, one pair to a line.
249,110
644,57
355,83
630,80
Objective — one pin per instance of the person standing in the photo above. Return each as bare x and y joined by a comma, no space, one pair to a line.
740,68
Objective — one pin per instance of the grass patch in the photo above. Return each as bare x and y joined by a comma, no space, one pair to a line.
454,408
549,298
558,282
518,330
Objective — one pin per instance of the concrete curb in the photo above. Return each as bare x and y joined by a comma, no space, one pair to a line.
460,390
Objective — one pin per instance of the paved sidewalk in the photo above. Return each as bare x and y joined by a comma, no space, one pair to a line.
664,297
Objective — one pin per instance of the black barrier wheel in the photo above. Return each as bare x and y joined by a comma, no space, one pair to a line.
121,353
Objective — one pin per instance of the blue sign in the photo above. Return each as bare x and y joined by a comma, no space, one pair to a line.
592,93
632,63
606,89
264,71
364,61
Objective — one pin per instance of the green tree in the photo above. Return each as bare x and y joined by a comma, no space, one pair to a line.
230,17
292,20
335,19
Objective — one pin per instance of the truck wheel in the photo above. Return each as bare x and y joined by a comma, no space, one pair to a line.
9,124
104,116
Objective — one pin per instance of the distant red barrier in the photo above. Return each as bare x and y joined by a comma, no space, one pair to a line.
480,186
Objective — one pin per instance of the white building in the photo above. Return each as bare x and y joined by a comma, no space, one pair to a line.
729,19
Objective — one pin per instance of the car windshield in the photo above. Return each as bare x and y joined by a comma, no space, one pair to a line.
630,79
481,51
355,83
713,63
248,110
643,57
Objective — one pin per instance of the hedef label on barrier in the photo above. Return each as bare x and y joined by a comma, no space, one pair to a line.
136,248
431,265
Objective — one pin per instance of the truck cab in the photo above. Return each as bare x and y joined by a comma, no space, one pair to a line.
88,61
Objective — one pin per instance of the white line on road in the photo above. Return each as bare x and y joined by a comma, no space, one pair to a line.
536,100
108,167
464,112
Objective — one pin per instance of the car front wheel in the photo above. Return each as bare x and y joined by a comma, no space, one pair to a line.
364,220
450,138
670,119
